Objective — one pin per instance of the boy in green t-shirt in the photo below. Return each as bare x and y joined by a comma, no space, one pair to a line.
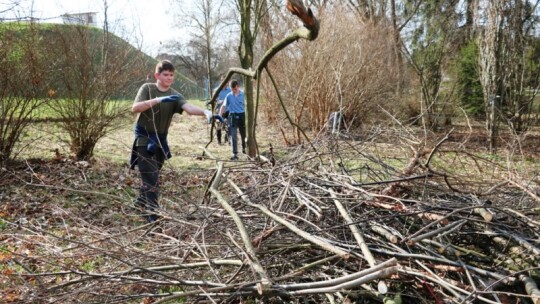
156,104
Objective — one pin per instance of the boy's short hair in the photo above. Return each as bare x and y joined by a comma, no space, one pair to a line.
164,65
234,84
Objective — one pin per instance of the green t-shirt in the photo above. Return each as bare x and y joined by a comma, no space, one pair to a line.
158,118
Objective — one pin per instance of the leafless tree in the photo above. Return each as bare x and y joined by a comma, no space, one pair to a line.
490,44
428,52
207,21
251,14
92,67
518,93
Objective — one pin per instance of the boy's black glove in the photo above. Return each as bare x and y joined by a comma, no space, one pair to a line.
168,98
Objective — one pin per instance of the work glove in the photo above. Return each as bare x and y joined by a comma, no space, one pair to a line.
168,98
208,115
218,117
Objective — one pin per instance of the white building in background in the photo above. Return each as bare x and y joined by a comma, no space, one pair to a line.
89,18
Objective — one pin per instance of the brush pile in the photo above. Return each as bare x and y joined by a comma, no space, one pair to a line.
330,223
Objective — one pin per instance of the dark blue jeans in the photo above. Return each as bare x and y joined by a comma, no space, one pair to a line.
237,122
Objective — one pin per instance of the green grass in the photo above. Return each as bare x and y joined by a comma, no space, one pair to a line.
186,137
172,289
188,134
48,110
89,266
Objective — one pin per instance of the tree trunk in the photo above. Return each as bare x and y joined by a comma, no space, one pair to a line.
489,46
246,52
250,116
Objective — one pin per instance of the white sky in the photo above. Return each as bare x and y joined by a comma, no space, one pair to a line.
144,23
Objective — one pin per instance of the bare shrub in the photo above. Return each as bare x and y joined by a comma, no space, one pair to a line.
350,67
92,70
23,83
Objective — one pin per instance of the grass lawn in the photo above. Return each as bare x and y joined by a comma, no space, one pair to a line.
187,136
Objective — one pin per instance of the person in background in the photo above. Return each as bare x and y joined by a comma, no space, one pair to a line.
234,104
156,103
221,98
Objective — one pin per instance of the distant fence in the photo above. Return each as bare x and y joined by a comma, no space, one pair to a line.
191,91
188,89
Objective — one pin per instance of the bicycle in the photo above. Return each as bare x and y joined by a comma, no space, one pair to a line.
223,127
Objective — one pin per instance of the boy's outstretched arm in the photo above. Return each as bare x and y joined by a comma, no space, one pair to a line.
194,110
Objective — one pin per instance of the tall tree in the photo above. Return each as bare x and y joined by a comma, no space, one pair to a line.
309,31
251,14
517,98
502,43
470,13
435,23
469,89
206,19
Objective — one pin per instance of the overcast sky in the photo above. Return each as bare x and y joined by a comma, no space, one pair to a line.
144,23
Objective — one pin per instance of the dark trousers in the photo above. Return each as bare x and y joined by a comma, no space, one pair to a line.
149,168
237,122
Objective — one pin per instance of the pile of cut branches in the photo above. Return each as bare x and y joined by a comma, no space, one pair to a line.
333,222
